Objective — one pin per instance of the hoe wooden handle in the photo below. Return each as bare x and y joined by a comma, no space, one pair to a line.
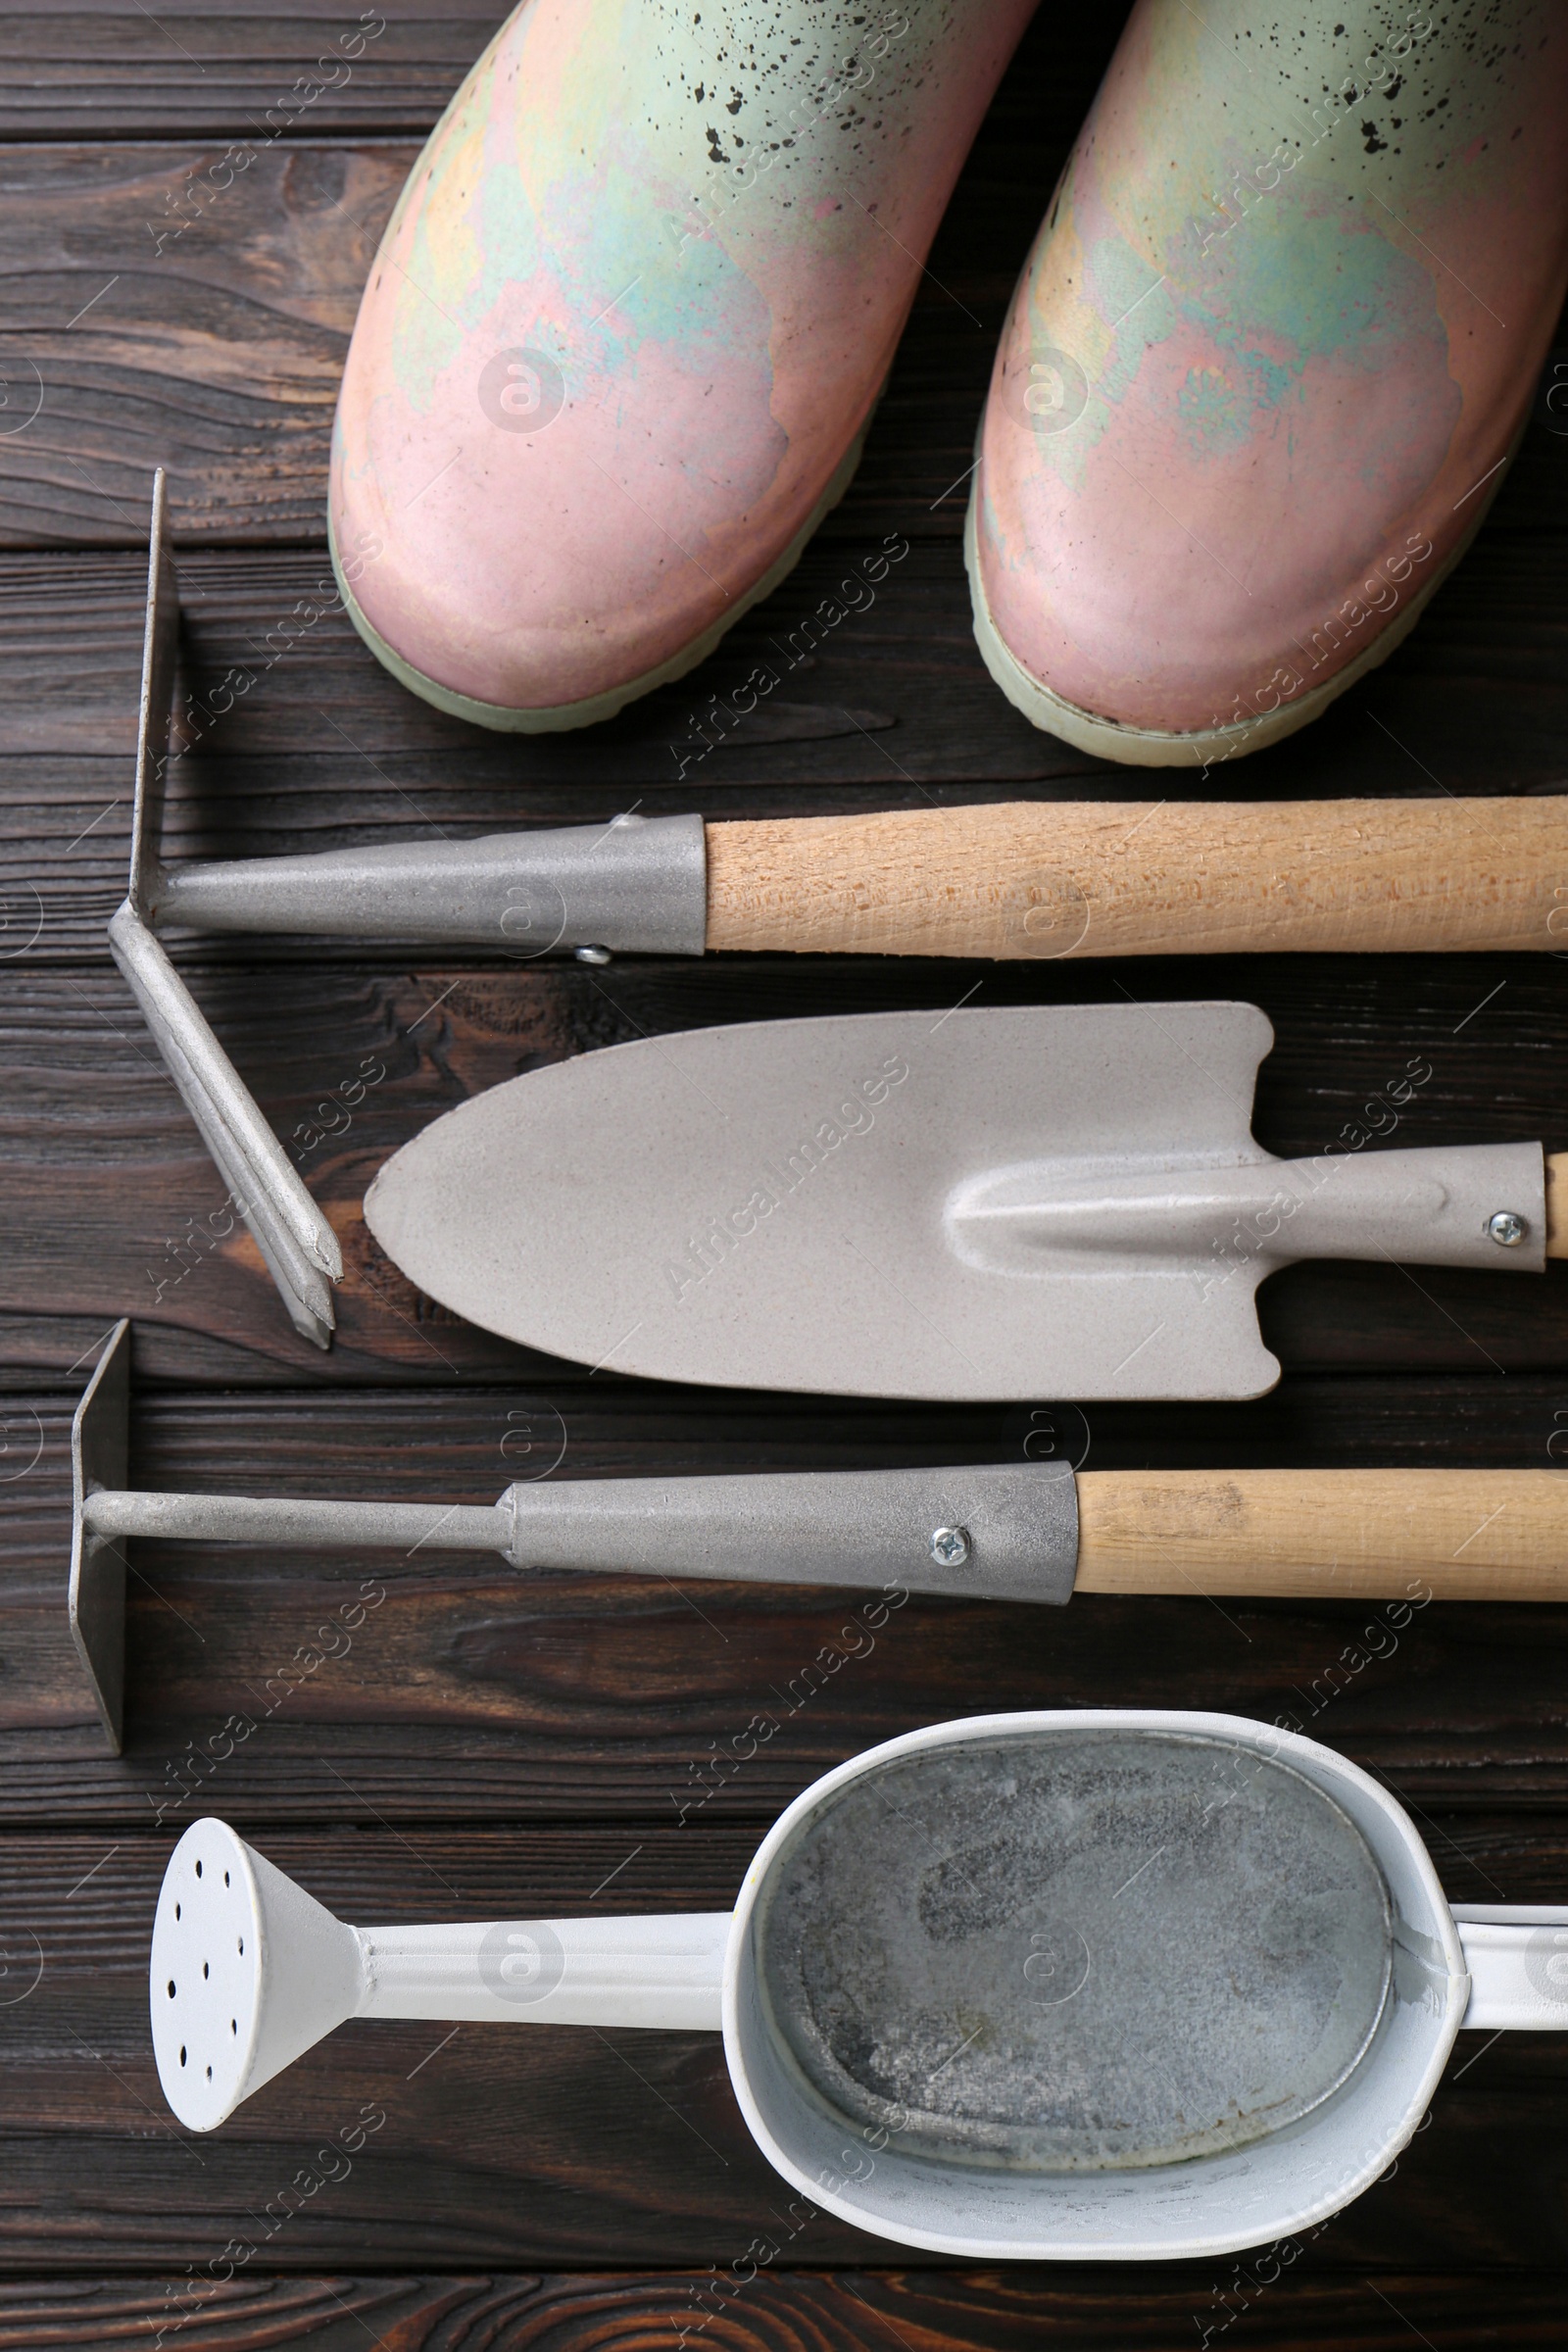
1414,1535
1032,879
1557,1203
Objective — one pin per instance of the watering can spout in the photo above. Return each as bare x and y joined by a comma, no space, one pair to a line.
249,1972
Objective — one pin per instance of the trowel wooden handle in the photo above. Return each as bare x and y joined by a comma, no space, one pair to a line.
1454,1534
1045,879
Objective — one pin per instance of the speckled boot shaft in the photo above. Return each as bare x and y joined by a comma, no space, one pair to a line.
1267,361
627,327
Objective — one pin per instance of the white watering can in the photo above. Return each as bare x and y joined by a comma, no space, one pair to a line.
1091,1984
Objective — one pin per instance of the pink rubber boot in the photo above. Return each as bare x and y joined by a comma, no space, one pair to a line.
1267,363
626,329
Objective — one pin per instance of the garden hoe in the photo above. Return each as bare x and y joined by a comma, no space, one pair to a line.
1021,1531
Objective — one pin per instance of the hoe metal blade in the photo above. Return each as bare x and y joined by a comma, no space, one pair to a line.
96,1594
1031,1201
1004,1531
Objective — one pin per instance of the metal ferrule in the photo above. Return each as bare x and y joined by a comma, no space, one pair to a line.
638,885
1017,1528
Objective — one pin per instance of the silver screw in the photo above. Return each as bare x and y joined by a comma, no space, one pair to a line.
950,1546
593,955
1507,1229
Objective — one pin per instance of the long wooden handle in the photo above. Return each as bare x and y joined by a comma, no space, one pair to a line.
1034,879
1454,1534
1557,1203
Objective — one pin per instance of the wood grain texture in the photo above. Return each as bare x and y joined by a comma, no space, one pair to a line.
1451,1535
475,1743
1557,1204
859,2310
218,355
1125,878
103,69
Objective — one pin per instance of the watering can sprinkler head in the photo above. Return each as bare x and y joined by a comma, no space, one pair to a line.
248,1972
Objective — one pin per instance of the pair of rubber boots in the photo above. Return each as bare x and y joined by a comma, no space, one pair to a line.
1264,369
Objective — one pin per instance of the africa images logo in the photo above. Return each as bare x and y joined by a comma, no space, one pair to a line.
522,390
521,1964
1055,391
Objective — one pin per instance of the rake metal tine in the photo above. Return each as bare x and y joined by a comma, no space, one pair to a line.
298,1245
296,1242
639,881
160,651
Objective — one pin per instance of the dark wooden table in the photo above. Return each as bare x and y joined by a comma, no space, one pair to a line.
488,1745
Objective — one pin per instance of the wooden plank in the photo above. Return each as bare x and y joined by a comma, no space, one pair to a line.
505,2147
101,69
219,357
482,1742
300,1688
1008,2309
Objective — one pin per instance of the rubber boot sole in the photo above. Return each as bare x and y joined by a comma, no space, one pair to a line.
1152,747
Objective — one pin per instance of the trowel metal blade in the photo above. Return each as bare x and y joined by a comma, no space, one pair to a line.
769,1206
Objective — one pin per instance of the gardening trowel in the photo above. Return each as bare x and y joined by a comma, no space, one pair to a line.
1031,1201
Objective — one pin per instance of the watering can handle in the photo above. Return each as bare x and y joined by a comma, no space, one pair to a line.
1045,879
1517,1956
1410,1535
